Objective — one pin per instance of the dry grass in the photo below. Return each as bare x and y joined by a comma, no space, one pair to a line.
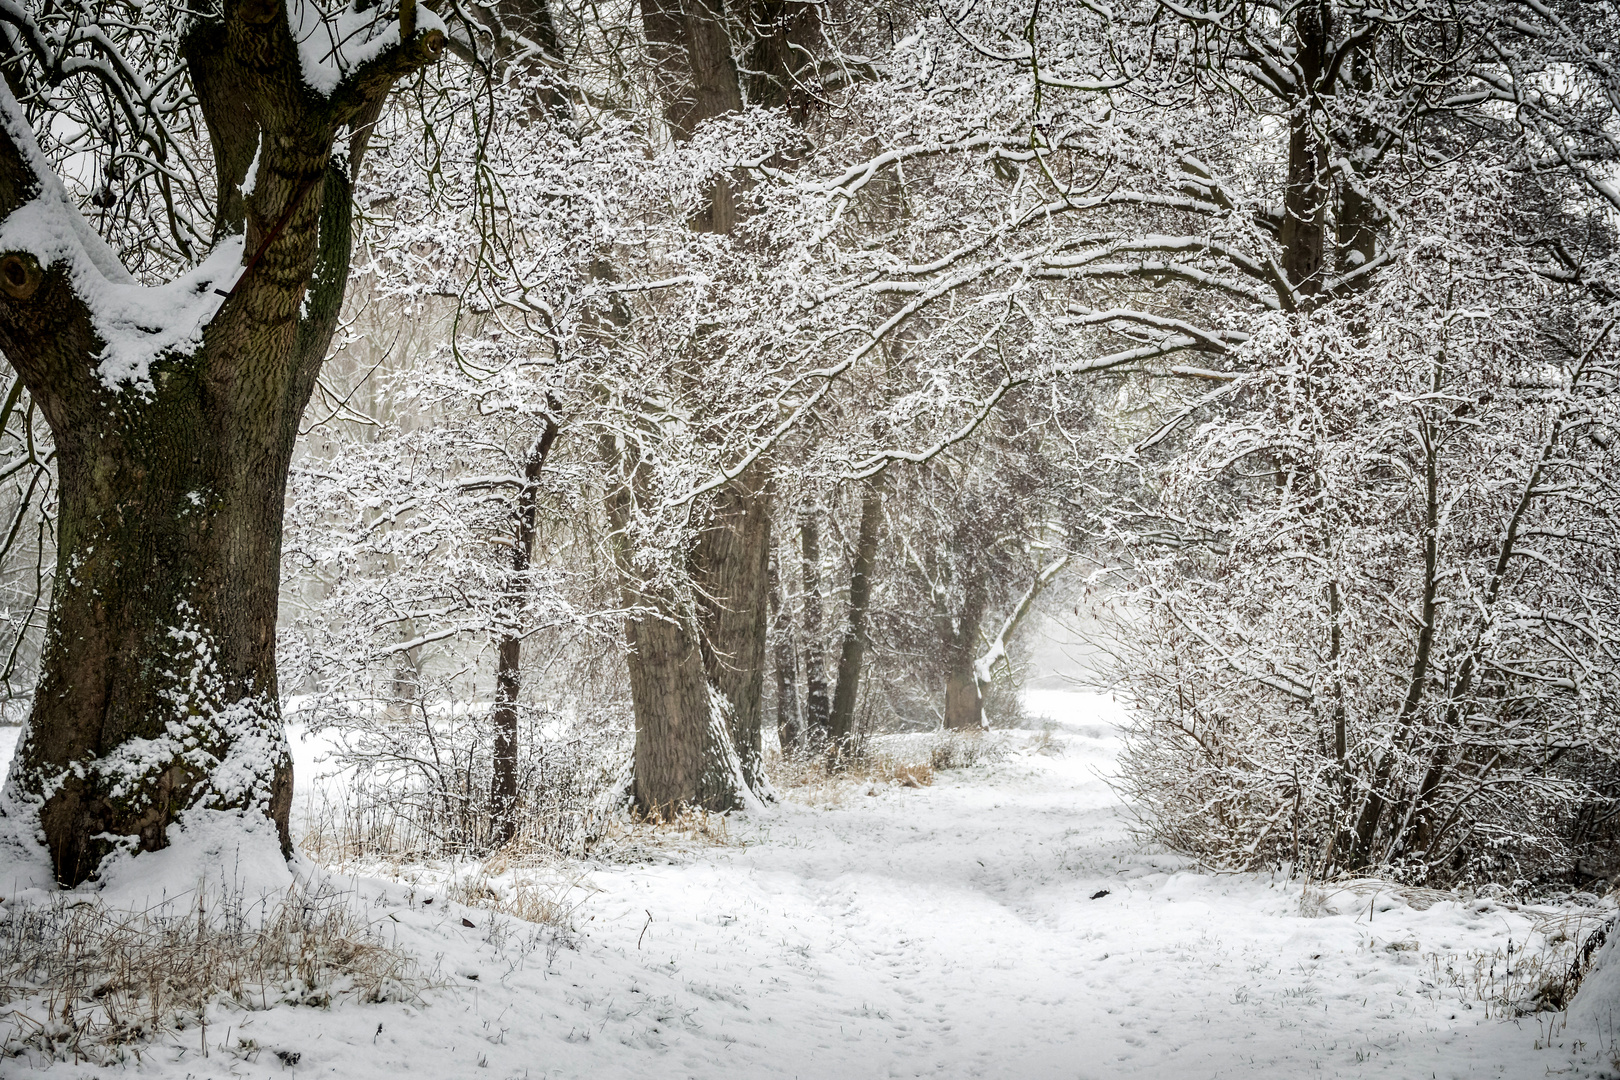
534,893
634,836
84,982
1047,743
907,761
965,749
1518,979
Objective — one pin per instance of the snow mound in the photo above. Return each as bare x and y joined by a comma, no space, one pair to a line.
219,851
1595,1012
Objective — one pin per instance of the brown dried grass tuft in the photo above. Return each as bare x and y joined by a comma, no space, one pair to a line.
527,892
822,779
81,981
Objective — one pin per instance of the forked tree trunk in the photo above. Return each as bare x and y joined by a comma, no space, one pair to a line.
692,686
508,678
841,722
157,692
697,77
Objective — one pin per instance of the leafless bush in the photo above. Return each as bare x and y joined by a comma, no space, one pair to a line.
1388,644
1046,743
965,750
419,787
83,981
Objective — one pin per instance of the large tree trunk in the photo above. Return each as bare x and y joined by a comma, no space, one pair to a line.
1308,187
508,680
730,569
787,33
841,721
964,707
683,748
157,691
701,744
684,754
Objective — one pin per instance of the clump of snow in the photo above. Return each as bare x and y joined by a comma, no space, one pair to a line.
25,864
137,324
252,180
331,44
1594,1015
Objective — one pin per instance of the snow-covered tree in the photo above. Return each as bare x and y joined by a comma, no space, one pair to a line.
175,183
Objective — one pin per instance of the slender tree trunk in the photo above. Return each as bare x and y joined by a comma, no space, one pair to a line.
818,707
508,680
787,683
157,693
1372,810
841,721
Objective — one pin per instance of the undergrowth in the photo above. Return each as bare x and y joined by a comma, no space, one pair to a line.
1538,972
82,981
818,776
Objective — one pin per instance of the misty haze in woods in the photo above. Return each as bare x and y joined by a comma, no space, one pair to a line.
1144,475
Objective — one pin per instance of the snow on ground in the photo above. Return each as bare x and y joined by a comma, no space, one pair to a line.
960,930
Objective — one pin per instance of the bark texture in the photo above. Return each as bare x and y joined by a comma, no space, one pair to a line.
684,754
1306,195
157,689
730,570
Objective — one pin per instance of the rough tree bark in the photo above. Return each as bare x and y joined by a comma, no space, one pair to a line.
508,679
841,721
683,754
157,689
730,565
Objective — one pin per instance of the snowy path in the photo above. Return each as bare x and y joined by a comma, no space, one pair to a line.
947,932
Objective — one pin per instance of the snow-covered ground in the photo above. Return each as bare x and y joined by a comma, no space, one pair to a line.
1000,923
